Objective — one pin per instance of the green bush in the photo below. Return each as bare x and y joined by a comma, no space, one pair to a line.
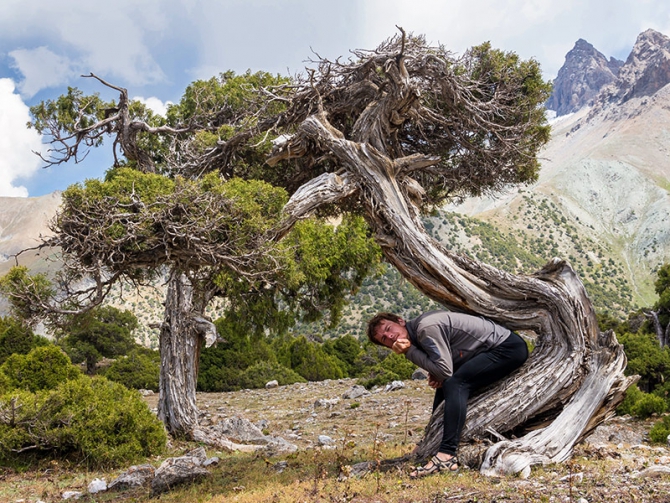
140,369
633,395
45,367
218,379
258,375
646,358
16,337
392,368
87,419
310,360
398,365
660,431
647,406
378,377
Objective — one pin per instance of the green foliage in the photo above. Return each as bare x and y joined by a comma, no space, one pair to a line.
16,337
139,369
646,358
347,349
392,368
43,368
222,366
103,332
26,293
261,373
89,419
648,405
633,395
70,112
309,359
660,431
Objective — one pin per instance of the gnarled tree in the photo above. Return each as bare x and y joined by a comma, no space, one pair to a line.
391,134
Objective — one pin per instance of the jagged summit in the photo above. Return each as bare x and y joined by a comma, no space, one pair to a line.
647,68
588,78
585,72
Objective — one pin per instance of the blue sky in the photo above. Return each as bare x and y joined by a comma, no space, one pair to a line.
155,48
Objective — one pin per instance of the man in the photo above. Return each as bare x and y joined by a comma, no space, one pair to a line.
461,353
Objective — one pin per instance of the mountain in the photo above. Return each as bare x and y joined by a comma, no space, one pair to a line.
606,168
22,222
585,72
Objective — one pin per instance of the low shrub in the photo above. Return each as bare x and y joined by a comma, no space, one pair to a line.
44,367
633,395
640,404
660,431
392,368
258,375
92,420
140,369
647,406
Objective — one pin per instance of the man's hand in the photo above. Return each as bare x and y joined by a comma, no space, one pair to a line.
434,383
401,346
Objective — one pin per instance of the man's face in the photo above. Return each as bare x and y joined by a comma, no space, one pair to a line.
388,332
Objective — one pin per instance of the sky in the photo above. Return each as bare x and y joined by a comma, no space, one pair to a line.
155,48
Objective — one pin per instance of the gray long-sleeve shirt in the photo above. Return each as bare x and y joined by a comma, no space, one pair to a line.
442,341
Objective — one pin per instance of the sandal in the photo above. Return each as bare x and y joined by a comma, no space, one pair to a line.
438,466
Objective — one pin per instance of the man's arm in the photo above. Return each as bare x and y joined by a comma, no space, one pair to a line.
434,355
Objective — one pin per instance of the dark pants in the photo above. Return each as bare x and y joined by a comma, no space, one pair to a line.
478,372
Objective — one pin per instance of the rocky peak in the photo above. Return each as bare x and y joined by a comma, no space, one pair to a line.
647,68
580,79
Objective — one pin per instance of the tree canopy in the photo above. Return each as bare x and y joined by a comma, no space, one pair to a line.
387,135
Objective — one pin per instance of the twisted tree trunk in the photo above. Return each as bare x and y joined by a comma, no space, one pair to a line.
574,375
183,332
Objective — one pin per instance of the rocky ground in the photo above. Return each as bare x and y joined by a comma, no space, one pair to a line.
334,425
615,463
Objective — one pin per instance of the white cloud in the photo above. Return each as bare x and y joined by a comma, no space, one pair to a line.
154,104
41,68
111,39
17,142
542,29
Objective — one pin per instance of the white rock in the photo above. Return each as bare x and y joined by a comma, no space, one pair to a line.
395,385
325,440
97,485
72,495
272,384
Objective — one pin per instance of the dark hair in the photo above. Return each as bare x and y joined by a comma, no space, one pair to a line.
372,325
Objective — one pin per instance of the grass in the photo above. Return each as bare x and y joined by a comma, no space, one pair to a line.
385,425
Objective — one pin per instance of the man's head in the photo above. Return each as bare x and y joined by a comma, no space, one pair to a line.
385,328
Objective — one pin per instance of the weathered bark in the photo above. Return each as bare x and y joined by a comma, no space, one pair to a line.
574,375
183,332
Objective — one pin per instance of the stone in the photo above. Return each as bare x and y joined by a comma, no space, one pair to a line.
324,402
72,495
419,375
97,485
325,440
394,386
211,461
653,472
238,434
135,476
280,466
356,391
241,431
145,392
178,471
272,384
